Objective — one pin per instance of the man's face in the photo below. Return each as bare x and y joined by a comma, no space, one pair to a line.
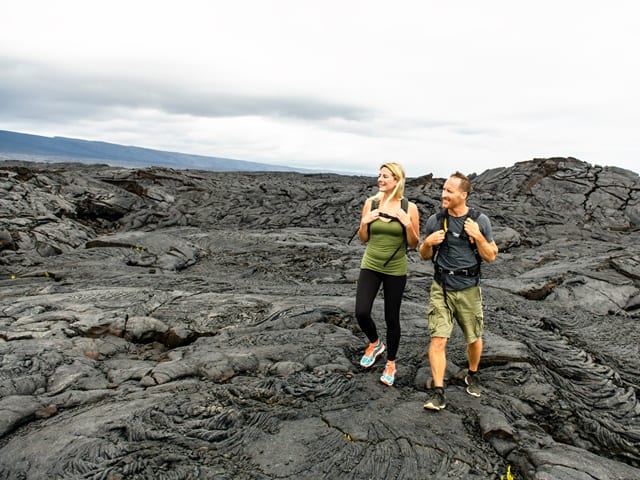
452,196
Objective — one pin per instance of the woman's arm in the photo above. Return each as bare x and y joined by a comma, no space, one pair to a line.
413,226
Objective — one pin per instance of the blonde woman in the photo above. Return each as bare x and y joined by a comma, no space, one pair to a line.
389,226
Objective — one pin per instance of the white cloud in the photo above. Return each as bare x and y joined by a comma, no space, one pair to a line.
437,86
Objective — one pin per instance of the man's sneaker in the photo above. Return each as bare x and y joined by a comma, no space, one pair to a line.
371,353
437,400
473,385
389,374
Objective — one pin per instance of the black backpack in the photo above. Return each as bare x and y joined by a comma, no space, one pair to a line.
442,218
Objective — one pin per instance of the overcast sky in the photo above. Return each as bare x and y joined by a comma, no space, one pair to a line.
342,85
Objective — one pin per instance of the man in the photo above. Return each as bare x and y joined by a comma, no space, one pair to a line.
457,240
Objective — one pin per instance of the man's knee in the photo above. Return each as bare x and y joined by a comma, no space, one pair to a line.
438,344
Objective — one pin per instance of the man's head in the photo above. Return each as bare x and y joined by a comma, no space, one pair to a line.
455,191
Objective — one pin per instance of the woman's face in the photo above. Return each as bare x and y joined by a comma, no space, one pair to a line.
386,181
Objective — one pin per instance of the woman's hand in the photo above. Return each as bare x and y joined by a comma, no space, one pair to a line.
371,216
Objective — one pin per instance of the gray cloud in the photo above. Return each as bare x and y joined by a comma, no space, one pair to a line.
36,90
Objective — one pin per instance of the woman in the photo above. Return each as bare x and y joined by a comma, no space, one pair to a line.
389,225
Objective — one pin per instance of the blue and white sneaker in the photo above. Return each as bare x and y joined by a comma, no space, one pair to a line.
389,374
371,353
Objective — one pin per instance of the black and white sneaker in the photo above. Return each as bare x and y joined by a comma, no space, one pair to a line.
437,401
473,385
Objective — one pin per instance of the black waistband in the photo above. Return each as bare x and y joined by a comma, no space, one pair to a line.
463,272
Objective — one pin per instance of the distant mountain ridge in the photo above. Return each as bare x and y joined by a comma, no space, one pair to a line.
23,146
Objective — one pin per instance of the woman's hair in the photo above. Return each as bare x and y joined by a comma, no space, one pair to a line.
398,173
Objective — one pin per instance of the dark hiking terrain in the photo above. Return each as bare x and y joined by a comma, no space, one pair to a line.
179,324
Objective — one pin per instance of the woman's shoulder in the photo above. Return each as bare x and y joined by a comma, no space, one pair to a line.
411,204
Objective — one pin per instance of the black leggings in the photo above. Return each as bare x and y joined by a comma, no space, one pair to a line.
393,288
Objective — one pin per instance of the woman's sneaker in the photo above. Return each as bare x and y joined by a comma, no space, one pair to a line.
437,401
371,353
389,374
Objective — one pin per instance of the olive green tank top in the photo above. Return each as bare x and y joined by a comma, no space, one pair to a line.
384,239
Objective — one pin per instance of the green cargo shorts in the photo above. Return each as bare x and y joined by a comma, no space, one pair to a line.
464,305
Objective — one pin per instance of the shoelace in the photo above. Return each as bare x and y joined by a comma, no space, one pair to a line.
371,349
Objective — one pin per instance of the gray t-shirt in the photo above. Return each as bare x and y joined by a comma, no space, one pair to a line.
457,253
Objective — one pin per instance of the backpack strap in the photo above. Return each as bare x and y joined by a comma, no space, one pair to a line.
404,204
473,214
440,274
374,205
442,218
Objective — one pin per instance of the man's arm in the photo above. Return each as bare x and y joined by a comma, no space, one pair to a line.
487,250
433,239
